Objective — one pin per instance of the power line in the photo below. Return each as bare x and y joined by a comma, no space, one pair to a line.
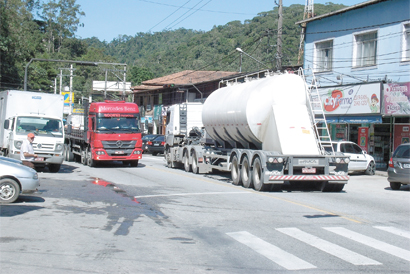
169,15
190,14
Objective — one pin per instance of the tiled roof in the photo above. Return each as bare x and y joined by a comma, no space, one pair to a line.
186,77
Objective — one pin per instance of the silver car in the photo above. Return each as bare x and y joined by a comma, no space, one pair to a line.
399,167
16,179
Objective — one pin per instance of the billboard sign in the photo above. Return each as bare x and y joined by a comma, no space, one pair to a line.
112,86
397,98
354,99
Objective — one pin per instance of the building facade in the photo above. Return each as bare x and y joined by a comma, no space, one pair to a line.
360,59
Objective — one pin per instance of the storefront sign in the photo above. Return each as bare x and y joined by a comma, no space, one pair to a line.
355,99
397,98
401,135
363,137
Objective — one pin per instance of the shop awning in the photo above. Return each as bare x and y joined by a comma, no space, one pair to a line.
354,119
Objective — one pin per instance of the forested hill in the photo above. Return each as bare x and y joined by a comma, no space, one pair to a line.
51,35
172,51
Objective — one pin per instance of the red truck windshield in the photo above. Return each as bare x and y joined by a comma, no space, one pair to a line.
115,124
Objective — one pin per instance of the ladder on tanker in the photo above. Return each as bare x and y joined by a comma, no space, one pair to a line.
317,115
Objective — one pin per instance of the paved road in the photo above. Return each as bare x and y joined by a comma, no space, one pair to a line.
151,219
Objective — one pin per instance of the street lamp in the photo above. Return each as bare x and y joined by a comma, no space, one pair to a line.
241,51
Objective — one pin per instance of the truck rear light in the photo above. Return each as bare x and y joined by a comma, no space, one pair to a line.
391,162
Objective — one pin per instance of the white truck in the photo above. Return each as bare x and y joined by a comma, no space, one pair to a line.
22,112
265,131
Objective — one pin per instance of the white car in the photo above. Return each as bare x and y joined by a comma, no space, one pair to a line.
360,161
16,178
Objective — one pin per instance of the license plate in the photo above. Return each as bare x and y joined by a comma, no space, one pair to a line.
308,162
406,165
119,152
156,145
309,170
39,159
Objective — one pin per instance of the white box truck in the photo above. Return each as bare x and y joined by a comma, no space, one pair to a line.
264,131
22,112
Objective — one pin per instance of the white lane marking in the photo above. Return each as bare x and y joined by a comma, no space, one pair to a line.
270,251
395,231
189,194
118,224
376,244
328,247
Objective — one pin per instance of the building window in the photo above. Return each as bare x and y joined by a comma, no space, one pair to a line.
406,43
323,56
365,49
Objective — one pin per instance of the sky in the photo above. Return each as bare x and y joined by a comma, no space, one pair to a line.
107,19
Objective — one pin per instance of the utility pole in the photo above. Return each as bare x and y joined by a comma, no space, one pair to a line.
71,88
308,13
279,43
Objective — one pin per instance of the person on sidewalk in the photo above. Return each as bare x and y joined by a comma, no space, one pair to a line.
27,155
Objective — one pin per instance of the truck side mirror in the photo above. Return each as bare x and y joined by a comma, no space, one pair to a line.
6,124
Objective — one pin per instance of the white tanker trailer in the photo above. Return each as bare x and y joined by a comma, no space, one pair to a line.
263,131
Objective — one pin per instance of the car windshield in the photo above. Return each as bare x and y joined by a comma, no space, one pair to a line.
402,152
40,126
115,124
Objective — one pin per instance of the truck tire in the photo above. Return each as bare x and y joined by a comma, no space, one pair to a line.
246,174
235,171
170,164
338,187
257,176
185,159
324,186
9,190
134,163
195,168
83,158
90,161
69,156
54,168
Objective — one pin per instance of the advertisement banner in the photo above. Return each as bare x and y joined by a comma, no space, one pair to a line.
401,135
363,137
355,99
67,97
397,98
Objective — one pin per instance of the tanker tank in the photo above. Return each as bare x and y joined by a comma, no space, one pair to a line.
271,114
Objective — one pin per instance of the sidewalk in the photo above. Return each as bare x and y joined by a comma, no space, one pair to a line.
381,173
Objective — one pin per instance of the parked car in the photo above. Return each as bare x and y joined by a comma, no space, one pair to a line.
147,138
16,179
360,161
156,145
399,167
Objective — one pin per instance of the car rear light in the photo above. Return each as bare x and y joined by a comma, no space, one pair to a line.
162,143
391,162
149,143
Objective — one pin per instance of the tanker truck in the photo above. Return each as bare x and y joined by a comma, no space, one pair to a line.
264,131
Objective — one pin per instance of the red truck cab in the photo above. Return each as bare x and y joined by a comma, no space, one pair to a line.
111,132
114,131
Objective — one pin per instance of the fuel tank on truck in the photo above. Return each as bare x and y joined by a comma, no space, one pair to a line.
271,114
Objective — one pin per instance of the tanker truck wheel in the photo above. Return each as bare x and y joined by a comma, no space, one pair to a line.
246,173
324,186
257,177
195,168
170,163
185,159
235,172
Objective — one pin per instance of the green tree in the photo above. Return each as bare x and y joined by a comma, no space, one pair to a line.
63,20
139,74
